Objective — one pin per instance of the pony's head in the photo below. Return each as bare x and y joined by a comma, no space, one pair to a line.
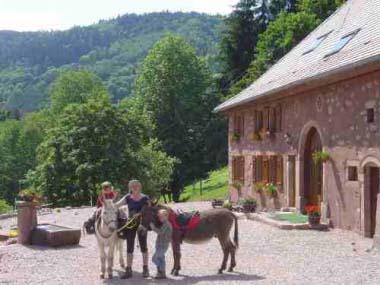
149,214
109,215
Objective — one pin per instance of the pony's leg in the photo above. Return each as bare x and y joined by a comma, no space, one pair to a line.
233,260
120,249
102,260
176,246
111,252
226,252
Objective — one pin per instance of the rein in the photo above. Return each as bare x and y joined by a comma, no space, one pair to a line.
132,223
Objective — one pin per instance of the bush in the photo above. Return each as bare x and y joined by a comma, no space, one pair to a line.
4,207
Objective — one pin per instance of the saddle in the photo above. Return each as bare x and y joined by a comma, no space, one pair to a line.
184,221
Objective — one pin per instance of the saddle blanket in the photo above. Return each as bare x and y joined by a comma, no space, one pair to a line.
184,221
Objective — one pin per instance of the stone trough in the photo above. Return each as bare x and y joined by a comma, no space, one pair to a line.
30,232
55,236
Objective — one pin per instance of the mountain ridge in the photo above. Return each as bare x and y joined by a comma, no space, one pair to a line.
112,49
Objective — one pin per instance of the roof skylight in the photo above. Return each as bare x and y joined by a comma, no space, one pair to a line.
317,43
342,43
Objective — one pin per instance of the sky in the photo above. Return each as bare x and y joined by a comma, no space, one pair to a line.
33,15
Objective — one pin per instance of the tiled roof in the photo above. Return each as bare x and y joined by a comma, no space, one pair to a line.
297,67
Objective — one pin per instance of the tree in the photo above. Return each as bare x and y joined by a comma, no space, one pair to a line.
173,87
279,38
321,8
239,40
76,87
91,143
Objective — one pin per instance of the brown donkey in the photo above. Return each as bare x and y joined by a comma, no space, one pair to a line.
213,223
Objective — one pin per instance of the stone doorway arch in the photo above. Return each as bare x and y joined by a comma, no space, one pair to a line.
370,168
310,176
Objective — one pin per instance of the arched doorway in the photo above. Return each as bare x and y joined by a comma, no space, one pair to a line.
371,190
313,171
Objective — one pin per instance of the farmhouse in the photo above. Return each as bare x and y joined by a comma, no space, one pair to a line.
311,124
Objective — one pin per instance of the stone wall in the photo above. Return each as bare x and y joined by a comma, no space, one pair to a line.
339,113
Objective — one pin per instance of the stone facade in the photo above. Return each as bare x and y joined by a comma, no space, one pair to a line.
346,116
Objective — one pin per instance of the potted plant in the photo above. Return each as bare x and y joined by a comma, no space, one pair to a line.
313,214
263,134
255,136
321,156
227,205
236,136
258,187
271,189
249,205
237,185
29,195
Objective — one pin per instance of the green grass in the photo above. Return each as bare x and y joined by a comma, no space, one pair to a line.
293,218
214,187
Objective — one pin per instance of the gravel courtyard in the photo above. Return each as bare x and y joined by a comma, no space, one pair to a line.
266,256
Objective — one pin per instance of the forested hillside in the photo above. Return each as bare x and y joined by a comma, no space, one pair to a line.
30,61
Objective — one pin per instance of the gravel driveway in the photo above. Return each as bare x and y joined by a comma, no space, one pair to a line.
266,256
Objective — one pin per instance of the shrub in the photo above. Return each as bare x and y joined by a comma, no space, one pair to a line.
4,207
271,189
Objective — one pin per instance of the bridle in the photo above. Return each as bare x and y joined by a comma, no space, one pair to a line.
106,224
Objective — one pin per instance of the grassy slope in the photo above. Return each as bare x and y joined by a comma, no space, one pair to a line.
215,187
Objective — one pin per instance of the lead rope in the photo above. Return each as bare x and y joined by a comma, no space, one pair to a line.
132,223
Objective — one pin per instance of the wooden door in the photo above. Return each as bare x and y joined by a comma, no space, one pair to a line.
313,171
292,180
374,185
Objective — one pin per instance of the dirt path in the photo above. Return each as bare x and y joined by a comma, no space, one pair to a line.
266,256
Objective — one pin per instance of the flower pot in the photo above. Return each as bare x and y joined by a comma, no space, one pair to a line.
249,208
314,220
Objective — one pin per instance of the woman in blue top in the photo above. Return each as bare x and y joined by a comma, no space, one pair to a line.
135,201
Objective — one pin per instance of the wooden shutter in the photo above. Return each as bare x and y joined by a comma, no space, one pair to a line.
239,124
266,118
265,169
254,169
280,170
272,169
238,168
272,119
278,118
259,169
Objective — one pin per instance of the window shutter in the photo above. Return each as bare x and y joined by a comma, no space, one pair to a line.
265,169
242,125
266,118
272,169
241,168
254,169
259,169
278,118
272,119
280,169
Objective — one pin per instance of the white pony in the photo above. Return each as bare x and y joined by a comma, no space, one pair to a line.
106,234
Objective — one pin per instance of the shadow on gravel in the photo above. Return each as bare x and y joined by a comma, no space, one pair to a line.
184,279
45,248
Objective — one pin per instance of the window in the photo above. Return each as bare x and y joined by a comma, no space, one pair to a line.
258,121
238,169
342,43
239,125
278,118
317,43
370,115
267,169
352,173
266,118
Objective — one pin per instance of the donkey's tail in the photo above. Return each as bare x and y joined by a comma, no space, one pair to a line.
236,233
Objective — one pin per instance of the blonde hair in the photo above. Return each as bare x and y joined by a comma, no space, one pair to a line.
134,182
163,212
106,184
